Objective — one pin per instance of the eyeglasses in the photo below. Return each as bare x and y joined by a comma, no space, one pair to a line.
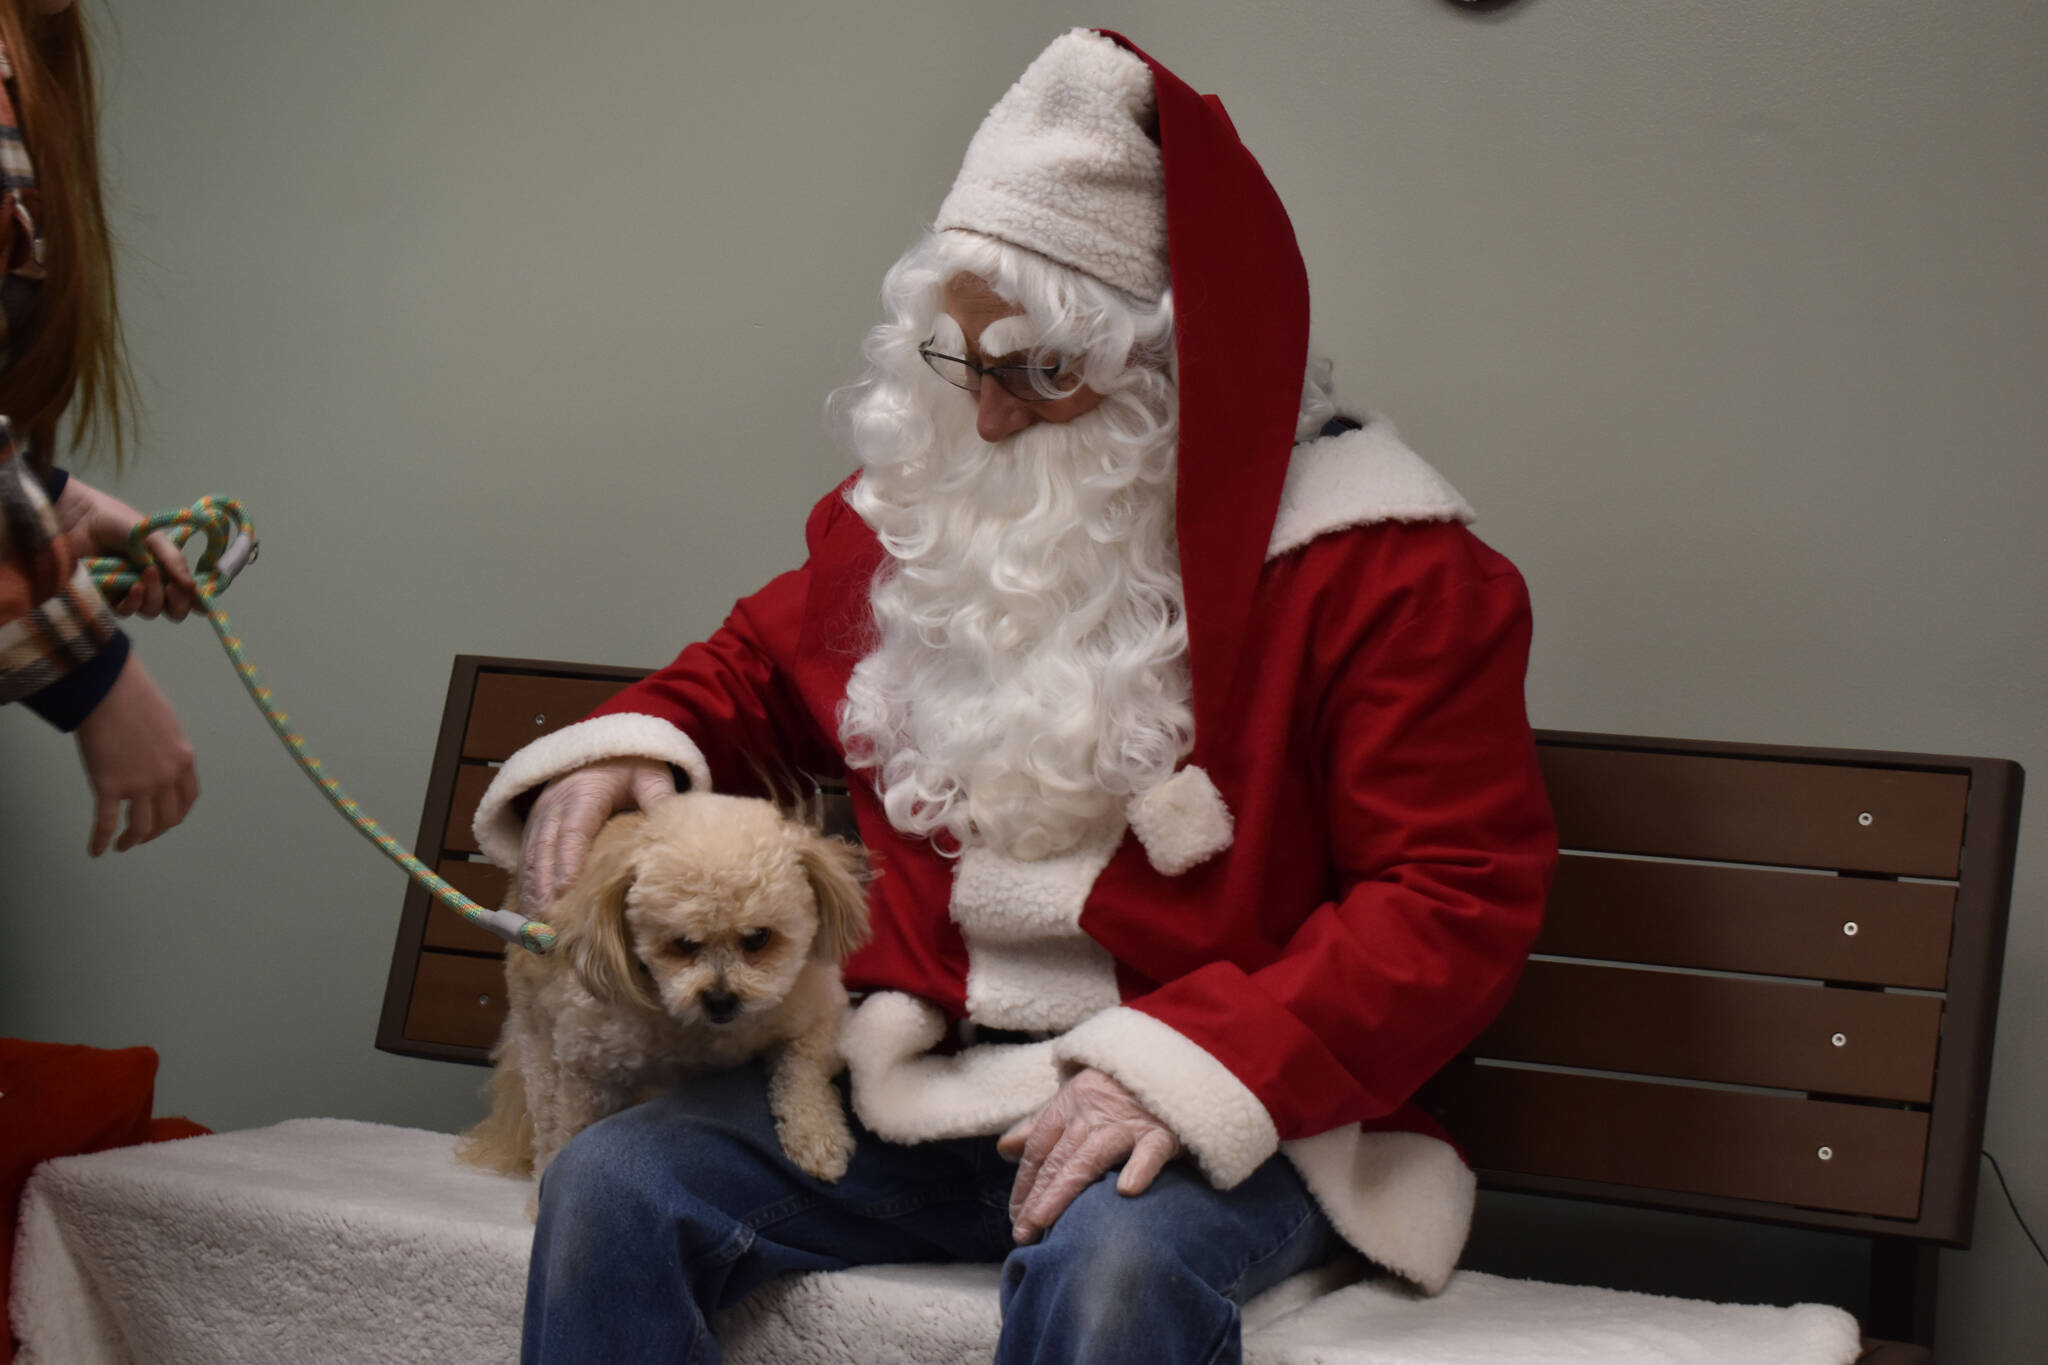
1025,383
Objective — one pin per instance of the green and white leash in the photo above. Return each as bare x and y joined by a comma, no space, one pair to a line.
230,548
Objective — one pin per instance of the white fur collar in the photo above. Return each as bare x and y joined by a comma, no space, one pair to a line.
1358,478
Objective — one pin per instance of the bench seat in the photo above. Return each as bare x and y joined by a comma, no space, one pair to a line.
339,1241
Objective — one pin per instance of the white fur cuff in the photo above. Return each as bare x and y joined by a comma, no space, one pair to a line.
1214,1114
1181,822
626,735
1404,1199
906,1096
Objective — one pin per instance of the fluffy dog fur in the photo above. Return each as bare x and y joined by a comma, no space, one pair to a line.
698,935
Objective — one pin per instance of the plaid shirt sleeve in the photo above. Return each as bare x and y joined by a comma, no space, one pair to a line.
59,647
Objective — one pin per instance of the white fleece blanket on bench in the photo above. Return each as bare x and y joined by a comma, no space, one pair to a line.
335,1241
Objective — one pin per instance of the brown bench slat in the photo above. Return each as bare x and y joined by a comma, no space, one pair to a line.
471,781
483,884
1676,1137
509,710
1756,810
457,999
1714,1028
1740,919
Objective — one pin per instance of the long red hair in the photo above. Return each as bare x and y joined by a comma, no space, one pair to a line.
75,359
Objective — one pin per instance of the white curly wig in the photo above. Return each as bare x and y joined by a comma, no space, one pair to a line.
1028,672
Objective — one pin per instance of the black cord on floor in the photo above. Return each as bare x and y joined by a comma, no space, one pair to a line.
2014,1207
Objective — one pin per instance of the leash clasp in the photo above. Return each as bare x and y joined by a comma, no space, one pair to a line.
239,555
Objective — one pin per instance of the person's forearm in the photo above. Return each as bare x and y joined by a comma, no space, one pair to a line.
60,650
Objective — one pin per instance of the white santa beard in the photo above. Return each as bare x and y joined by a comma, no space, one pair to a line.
1030,673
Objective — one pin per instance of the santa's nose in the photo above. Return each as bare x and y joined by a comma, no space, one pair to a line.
1001,414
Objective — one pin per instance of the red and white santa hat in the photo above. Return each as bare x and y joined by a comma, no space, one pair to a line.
1103,160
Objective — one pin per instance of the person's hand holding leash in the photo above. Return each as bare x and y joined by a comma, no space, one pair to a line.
568,814
98,523
1089,1126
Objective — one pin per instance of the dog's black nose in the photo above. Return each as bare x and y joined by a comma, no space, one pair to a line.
719,1006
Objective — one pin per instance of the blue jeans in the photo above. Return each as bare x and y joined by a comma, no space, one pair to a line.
660,1215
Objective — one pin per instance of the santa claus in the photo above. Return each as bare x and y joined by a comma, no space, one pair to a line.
1183,723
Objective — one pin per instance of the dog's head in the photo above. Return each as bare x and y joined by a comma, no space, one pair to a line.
708,907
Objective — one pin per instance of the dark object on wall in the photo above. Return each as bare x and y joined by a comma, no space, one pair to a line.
1483,6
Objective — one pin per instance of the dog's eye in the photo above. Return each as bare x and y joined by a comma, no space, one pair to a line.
687,947
754,940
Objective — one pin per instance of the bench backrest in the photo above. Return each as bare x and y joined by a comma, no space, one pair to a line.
1765,989
445,997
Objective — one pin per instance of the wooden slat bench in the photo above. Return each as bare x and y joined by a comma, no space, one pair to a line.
1765,989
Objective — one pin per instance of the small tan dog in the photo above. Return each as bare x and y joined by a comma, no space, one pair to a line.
700,934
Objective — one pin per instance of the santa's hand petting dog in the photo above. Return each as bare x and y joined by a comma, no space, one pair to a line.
1183,722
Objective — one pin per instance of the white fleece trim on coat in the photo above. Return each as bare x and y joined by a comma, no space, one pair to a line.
907,1096
1039,987
626,735
1213,1113
1000,899
1403,1199
1181,822
1029,966
1359,478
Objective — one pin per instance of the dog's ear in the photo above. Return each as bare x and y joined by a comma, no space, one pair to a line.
836,870
590,918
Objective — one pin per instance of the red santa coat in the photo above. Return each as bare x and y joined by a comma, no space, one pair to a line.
1289,941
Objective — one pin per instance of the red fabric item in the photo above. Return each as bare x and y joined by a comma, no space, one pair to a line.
1358,707
60,1099
1393,839
1398,892
175,1129
1240,320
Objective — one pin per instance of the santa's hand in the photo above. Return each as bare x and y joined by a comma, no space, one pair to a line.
1088,1127
569,813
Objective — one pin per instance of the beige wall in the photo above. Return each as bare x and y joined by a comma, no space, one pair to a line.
511,321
